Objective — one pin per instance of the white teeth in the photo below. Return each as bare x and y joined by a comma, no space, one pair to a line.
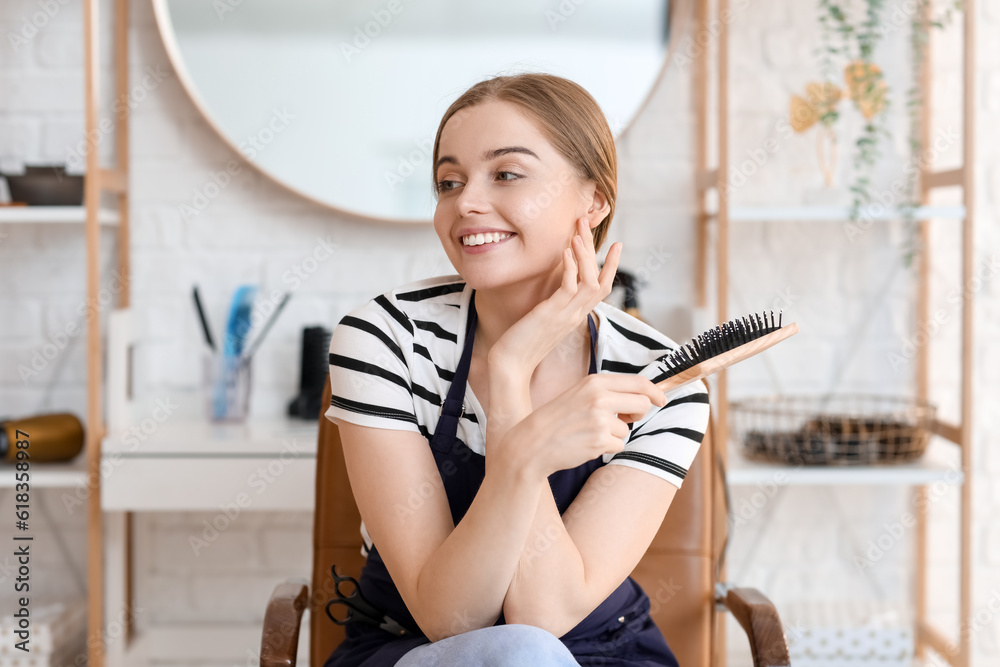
480,239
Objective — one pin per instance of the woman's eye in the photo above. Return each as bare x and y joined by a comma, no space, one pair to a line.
447,185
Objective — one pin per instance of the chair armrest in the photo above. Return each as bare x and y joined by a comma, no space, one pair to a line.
759,619
282,620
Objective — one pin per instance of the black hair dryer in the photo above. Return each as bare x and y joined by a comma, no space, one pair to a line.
312,373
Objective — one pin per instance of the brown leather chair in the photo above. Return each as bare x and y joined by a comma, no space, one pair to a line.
678,571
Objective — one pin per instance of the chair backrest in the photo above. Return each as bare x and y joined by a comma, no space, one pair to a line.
677,571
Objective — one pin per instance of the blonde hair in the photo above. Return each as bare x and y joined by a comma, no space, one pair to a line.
567,115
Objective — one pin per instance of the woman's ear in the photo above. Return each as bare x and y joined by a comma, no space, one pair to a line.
599,207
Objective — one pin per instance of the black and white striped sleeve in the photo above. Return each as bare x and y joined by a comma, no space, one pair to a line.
369,374
666,441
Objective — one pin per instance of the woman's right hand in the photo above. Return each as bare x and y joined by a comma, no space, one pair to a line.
587,420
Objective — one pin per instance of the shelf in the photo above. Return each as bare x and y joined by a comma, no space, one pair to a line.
940,463
53,214
836,213
50,475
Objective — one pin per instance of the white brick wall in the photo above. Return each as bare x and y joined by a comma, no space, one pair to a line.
255,230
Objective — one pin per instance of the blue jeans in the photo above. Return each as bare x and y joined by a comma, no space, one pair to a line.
510,645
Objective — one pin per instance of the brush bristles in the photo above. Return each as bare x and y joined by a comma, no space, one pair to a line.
714,342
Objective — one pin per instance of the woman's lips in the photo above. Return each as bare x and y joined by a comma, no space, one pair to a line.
485,247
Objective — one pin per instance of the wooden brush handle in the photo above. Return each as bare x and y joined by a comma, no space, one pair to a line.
728,358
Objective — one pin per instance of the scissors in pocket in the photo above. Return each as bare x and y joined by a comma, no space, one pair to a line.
358,609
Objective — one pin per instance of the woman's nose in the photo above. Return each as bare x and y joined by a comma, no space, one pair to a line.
472,198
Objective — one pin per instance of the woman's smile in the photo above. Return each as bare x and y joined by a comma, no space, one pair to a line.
475,244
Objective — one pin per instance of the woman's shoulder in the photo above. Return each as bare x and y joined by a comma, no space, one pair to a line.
409,307
632,335
631,345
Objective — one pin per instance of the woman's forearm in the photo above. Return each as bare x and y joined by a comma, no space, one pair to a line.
463,584
548,586
548,589
550,571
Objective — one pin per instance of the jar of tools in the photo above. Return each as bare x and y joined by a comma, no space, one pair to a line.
226,387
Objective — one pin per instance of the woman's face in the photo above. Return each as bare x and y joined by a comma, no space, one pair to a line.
497,172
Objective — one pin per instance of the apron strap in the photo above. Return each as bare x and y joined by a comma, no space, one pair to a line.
453,405
593,344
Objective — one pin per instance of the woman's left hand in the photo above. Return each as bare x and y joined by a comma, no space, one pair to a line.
530,339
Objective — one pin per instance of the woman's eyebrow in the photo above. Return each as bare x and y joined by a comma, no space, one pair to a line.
489,155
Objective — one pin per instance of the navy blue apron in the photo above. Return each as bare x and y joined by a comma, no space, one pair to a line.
618,633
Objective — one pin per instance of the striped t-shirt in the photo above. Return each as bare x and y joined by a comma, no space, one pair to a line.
392,361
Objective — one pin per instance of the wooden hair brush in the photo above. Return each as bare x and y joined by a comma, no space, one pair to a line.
719,348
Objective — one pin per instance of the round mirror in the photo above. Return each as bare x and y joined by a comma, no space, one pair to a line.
340,101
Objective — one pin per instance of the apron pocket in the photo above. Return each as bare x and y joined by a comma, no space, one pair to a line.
618,637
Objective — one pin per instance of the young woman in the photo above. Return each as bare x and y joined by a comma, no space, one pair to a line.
508,450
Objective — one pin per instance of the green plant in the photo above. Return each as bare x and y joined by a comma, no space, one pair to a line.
868,89
915,102
865,81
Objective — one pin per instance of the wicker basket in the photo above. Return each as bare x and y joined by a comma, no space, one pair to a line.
847,429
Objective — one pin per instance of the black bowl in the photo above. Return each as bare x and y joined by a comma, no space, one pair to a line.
45,185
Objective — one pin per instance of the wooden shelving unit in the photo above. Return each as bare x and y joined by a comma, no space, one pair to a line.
100,180
954,437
